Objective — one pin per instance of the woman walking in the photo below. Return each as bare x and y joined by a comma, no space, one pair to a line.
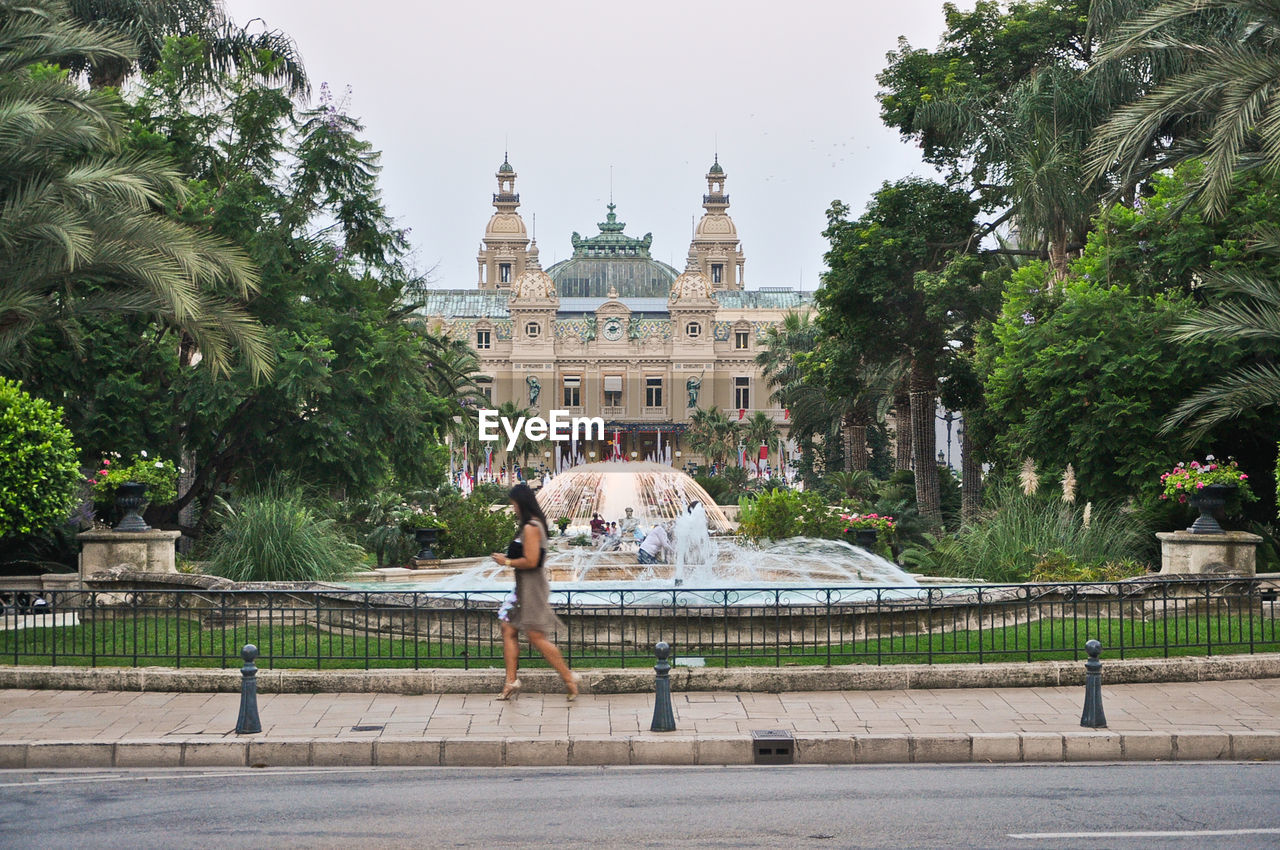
531,612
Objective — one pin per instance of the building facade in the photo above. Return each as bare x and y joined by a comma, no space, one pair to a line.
613,332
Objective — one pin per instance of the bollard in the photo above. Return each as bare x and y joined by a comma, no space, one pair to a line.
664,719
248,722
1093,718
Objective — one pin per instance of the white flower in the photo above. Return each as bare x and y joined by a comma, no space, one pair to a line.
143,453
159,464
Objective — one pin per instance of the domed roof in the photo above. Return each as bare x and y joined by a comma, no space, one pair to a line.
691,285
612,260
505,225
715,167
534,285
716,227
505,168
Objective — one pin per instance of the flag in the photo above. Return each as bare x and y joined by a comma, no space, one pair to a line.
742,412
658,452
786,413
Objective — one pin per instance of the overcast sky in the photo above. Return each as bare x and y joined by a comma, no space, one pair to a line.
649,87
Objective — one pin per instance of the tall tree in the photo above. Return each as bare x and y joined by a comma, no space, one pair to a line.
80,233
873,303
148,23
1214,100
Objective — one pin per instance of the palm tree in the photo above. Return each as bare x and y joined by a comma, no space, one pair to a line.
713,435
452,372
1217,104
1252,313
148,23
79,227
760,430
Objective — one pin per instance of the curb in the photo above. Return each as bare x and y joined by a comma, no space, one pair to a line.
856,677
585,751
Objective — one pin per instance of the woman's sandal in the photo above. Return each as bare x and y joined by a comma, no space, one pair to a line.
573,683
510,691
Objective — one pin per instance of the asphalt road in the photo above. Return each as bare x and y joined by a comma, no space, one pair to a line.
1189,805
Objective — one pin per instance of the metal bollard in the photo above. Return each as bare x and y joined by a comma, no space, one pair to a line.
664,719
248,722
1093,718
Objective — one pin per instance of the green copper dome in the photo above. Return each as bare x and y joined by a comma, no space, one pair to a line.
715,167
612,260
505,168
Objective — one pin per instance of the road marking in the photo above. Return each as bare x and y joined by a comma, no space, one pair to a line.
1188,833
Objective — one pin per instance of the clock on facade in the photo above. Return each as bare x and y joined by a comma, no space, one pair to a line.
613,329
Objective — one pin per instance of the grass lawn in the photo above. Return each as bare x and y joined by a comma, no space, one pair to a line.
182,642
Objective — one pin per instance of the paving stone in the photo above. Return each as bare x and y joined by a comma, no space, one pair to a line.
409,752
215,754
472,752
881,749
342,753
537,752
280,753
78,754
995,747
1147,746
13,755
1092,746
1201,746
1041,746
599,750
148,754
824,749
942,747
669,749
1255,745
725,749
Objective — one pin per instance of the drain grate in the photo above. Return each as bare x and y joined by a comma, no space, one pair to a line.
366,728
773,746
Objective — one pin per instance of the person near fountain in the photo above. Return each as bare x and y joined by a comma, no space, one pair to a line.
597,527
531,613
656,547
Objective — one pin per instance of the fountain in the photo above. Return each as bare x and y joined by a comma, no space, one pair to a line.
655,491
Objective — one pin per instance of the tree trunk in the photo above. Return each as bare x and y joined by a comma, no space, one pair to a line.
970,477
924,440
1058,257
846,444
902,429
858,447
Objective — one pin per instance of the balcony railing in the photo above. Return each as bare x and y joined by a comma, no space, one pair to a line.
507,198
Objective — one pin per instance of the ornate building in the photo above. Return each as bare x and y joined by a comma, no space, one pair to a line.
612,332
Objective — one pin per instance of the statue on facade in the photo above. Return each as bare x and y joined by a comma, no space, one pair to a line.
692,386
535,389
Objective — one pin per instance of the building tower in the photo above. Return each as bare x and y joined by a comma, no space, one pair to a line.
715,240
504,254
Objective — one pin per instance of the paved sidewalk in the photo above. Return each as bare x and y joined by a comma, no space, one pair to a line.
1193,720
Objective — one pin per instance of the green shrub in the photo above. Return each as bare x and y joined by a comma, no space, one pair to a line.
1018,534
474,528
779,514
276,535
39,474
717,488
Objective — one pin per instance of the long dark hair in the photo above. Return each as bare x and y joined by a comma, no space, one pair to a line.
527,507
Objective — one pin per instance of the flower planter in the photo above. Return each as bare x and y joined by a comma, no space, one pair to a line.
865,538
1210,501
131,497
425,538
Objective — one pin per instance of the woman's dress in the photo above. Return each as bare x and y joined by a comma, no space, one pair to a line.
532,611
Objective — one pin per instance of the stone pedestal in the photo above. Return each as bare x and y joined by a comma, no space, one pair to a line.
1232,553
147,551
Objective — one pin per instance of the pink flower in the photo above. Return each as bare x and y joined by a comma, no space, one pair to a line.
106,462
102,472
1199,485
1182,499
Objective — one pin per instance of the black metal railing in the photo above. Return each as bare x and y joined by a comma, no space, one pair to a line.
618,626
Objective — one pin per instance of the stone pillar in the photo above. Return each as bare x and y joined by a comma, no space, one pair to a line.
1232,553
147,551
